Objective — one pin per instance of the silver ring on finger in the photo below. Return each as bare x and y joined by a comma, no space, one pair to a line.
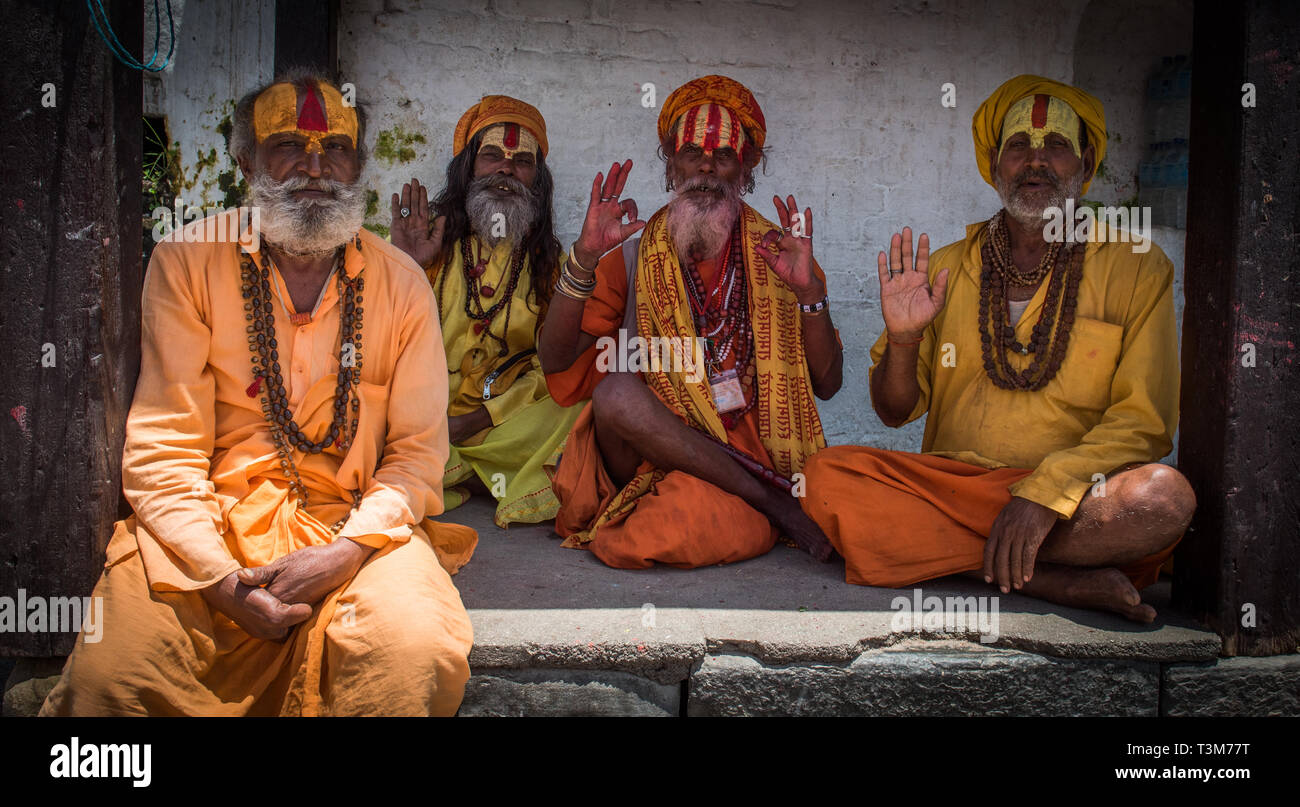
406,211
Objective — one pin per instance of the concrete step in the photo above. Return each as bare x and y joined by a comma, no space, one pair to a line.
559,633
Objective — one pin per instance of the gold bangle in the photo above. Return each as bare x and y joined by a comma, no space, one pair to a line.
573,259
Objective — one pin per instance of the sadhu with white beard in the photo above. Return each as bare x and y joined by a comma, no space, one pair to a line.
692,467
284,451
488,246
1049,373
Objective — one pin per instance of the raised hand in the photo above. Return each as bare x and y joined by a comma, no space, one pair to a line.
411,233
907,301
793,262
603,228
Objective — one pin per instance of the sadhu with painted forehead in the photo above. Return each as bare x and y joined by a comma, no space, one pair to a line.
488,246
692,466
1048,372
284,451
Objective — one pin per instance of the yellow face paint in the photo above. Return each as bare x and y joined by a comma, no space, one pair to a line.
710,126
314,112
1039,116
511,138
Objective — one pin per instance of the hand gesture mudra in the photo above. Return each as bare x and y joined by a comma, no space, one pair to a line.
410,229
793,263
907,301
603,228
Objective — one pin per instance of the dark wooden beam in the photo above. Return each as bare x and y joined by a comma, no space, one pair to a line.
70,215
1239,566
306,35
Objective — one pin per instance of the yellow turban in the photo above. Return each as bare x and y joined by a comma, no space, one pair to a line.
499,109
986,127
719,90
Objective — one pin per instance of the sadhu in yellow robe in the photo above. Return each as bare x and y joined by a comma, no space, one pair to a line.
209,496
515,456
899,518
669,516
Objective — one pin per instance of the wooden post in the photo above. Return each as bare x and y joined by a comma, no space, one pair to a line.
1238,568
70,214
306,35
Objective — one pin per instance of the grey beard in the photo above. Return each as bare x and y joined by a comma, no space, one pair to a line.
1028,215
700,224
306,227
495,219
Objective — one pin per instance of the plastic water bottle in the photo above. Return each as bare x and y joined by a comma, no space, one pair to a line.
1178,184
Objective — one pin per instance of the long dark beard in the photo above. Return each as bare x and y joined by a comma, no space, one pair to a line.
306,227
495,219
700,223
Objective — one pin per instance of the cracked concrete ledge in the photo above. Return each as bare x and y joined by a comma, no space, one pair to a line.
535,604
926,677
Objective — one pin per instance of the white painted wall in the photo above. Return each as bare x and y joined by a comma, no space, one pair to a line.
224,48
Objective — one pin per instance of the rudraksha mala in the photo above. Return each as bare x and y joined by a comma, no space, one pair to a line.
481,318
259,310
725,324
1051,334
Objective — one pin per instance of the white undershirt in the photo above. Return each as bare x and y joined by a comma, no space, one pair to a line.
1016,309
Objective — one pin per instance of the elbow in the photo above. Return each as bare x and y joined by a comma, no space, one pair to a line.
827,387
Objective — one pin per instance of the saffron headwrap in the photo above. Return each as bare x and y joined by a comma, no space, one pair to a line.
986,126
499,109
718,90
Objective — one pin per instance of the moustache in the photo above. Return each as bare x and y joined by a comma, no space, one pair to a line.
301,183
1030,175
500,182
705,183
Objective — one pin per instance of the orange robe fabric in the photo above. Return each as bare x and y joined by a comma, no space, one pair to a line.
680,520
914,517
209,496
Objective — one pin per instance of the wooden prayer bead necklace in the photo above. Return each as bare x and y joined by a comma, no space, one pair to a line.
722,317
1047,344
259,311
474,306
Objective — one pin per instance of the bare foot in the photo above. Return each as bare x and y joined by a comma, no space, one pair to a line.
785,512
1101,589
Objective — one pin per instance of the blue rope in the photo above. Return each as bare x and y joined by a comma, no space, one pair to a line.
120,52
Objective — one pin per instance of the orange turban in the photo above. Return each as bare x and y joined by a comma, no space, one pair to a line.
986,127
499,109
720,90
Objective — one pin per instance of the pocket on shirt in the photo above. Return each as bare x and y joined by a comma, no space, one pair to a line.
1088,369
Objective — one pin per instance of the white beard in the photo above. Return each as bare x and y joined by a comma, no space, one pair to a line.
495,219
700,223
306,227
1028,214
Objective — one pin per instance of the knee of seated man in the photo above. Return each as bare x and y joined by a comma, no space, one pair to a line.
1161,491
614,397
415,629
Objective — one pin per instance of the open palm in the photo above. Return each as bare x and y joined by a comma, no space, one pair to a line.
907,300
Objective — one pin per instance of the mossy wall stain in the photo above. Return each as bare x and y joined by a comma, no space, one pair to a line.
396,146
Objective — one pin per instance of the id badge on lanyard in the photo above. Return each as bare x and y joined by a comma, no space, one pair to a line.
727,394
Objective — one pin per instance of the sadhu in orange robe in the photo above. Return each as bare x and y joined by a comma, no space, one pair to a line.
209,495
669,516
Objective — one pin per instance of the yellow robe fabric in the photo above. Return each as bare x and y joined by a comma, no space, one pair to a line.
208,494
1114,401
528,430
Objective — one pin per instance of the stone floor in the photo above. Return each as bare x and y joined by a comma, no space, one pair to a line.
559,633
